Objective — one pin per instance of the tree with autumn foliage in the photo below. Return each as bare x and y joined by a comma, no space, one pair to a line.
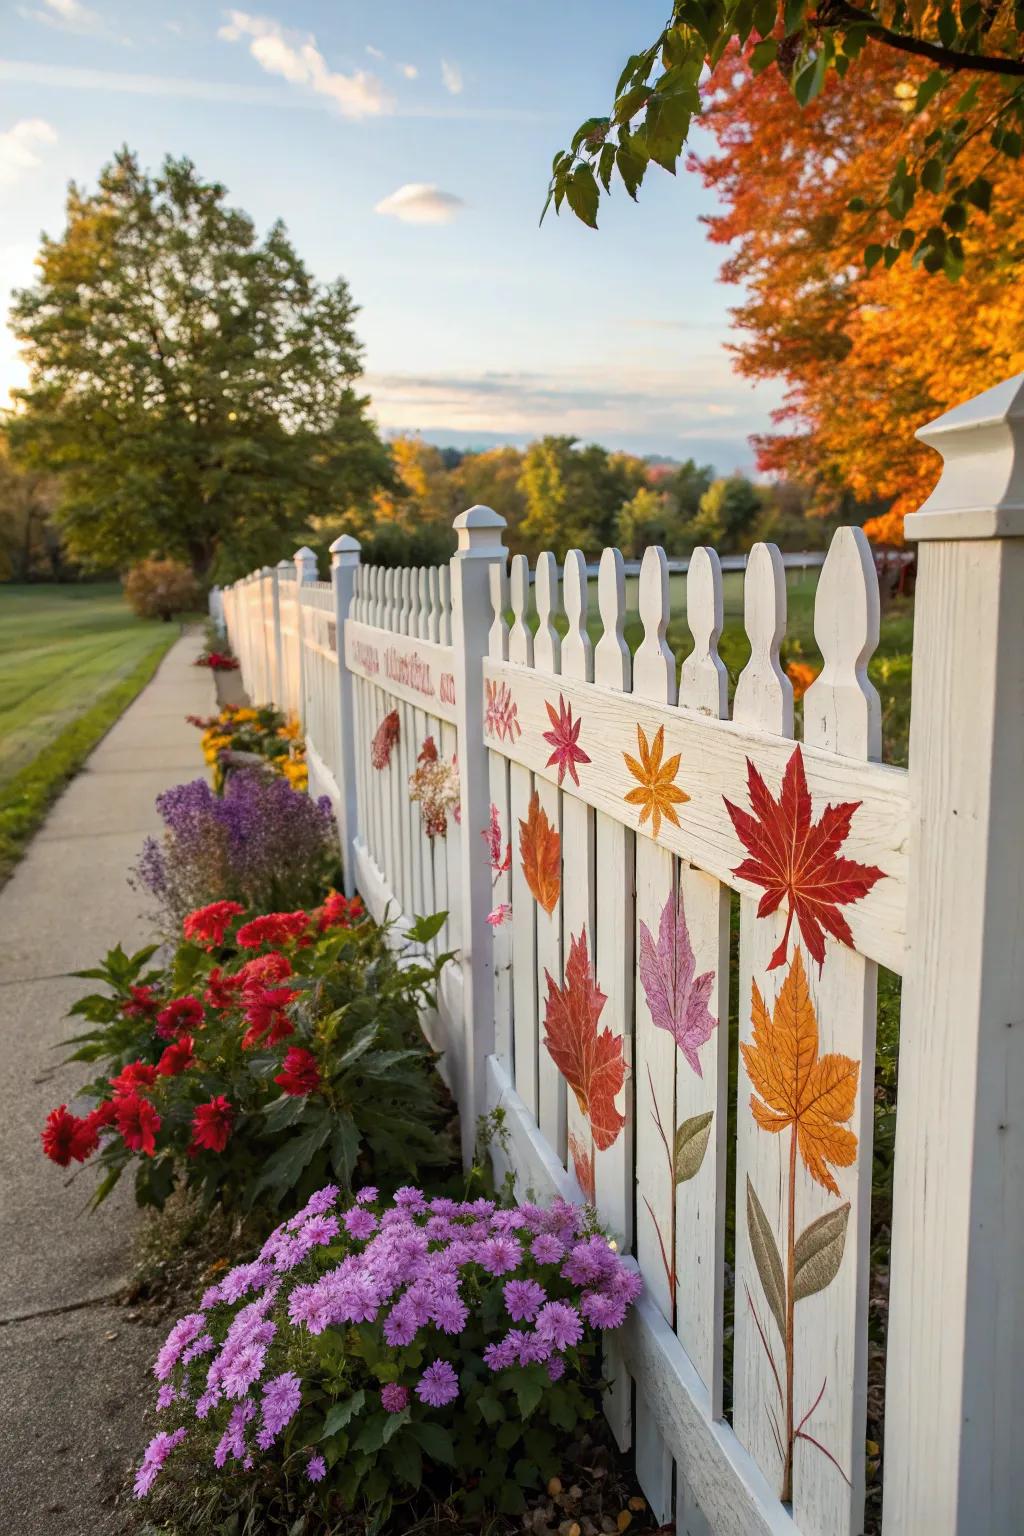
868,354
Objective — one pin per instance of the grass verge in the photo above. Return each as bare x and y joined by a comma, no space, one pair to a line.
26,798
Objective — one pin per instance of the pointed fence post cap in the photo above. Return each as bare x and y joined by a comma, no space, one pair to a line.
479,532
980,494
286,565
345,550
305,564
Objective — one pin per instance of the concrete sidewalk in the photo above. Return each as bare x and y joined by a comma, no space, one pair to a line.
65,1426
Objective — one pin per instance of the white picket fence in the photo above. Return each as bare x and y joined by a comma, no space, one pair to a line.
596,1015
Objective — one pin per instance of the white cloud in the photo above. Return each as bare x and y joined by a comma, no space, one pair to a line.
19,147
375,53
451,74
420,202
410,71
298,60
70,15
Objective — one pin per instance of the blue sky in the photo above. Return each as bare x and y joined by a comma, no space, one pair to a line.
406,144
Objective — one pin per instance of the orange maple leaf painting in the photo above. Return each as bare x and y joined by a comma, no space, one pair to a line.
590,1061
656,790
797,860
797,1087
540,849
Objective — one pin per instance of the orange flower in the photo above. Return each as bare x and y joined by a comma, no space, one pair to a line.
656,790
815,1094
801,674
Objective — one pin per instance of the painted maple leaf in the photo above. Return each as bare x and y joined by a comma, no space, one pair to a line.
796,859
676,997
583,1166
540,849
500,862
564,737
797,1087
384,738
590,1060
502,715
656,789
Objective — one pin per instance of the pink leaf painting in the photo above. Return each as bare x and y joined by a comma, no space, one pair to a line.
564,737
499,861
677,999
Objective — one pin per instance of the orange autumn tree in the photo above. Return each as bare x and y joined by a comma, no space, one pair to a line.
868,352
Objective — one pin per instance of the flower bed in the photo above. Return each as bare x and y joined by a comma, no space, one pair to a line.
272,1052
374,1356
265,732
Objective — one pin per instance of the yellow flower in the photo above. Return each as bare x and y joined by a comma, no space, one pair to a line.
655,792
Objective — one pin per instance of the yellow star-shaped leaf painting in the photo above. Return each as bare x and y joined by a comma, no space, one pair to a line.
656,791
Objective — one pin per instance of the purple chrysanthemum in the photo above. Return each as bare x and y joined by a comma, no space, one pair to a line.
523,1299
359,1222
499,1255
438,1385
156,1453
394,1397
559,1324
281,1398
546,1248
316,1469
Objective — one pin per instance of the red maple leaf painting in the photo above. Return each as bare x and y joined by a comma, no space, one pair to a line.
564,736
590,1061
796,859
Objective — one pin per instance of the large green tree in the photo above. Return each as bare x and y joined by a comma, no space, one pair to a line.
192,384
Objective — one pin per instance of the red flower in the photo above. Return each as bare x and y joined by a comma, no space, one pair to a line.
136,1075
275,928
220,990
208,925
300,1074
338,912
211,1125
265,1015
181,1016
177,1058
265,969
138,1123
66,1136
143,1005
104,1114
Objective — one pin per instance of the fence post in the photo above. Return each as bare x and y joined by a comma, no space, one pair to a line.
344,564
480,546
305,570
955,1369
280,660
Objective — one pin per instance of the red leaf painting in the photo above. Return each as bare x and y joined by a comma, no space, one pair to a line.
564,737
384,738
590,1061
796,859
676,997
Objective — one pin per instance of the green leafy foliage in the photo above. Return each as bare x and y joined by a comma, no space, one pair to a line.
312,1042
657,99
193,385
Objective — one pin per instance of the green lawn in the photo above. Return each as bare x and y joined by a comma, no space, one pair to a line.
71,660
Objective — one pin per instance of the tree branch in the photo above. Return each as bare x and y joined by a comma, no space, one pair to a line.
946,58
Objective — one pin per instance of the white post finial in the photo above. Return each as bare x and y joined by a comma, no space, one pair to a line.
344,570
479,532
980,494
955,1352
345,550
305,564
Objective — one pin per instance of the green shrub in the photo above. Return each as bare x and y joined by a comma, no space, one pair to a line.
158,589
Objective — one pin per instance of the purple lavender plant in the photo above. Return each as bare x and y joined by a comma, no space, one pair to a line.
261,843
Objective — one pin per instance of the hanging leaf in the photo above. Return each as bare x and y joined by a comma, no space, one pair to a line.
676,997
691,1143
819,1252
797,861
798,1087
590,1061
767,1258
540,849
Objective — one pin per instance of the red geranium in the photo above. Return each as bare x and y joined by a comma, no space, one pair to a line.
136,1075
208,925
104,1114
181,1016
211,1125
274,928
220,990
66,1136
138,1123
265,1015
177,1058
143,1005
339,912
300,1074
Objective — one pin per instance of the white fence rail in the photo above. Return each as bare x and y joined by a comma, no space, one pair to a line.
489,753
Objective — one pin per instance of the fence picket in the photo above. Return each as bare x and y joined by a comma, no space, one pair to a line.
551,1093
524,908
501,884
